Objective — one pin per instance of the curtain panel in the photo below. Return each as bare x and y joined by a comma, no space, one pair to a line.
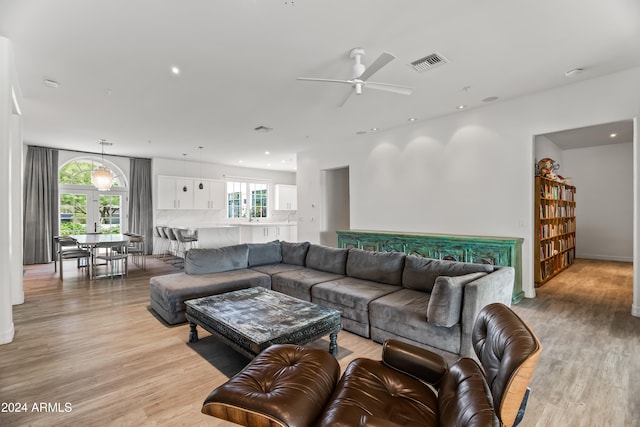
140,201
40,215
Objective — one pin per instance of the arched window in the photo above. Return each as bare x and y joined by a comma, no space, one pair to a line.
85,209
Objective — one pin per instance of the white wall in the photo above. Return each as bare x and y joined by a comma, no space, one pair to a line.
544,147
204,218
11,291
468,173
603,177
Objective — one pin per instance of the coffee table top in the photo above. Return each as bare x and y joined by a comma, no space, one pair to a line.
258,317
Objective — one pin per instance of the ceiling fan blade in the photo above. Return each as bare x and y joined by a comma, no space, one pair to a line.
312,79
382,60
403,90
344,100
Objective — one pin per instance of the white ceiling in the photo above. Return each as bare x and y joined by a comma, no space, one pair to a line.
239,60
591,136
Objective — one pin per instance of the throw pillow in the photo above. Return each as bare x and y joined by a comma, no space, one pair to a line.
445,304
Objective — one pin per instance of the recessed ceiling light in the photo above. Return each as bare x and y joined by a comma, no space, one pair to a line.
412,119
50,83
490,99
374,129
267,152
461,107
613,135
175,70
240,161
108,91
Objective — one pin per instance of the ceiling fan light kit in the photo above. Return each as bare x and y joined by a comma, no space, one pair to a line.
360,76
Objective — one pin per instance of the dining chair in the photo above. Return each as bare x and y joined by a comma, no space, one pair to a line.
136,249
67,248
115,260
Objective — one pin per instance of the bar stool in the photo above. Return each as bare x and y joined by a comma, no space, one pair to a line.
185,239
173,244
164,241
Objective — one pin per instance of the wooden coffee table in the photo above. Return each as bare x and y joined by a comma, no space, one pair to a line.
250,320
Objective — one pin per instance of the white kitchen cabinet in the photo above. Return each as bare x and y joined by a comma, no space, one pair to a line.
210,196
175,193
262,233
282,232
286,197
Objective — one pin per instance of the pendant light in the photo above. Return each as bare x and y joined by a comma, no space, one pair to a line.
201,185
102,177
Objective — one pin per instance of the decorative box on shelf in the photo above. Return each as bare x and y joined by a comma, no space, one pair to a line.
504,251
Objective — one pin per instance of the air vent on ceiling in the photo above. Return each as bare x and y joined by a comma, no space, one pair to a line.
263,129
429,62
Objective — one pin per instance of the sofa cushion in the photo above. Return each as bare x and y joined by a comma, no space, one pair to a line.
445,304
169,292
272,269
324,258
352,297
204,261
298,283
420,273
381,267
403,314
264,253
294,253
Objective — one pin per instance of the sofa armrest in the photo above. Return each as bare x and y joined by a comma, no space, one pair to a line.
494,287
415,361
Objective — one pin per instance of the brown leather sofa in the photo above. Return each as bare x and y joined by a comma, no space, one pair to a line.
289,385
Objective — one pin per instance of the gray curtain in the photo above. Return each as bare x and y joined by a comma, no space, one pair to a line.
140,202
40,217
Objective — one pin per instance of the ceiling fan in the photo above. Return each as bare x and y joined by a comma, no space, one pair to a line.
360,76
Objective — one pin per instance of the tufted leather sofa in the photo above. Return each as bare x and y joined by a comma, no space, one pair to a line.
289,385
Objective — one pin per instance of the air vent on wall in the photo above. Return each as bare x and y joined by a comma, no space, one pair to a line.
429,62
263,129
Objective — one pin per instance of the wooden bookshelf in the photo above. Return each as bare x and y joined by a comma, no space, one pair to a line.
555,228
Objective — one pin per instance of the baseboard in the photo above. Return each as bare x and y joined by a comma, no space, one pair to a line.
7,336
635,310
604,257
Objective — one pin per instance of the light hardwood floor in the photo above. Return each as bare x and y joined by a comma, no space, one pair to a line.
94,354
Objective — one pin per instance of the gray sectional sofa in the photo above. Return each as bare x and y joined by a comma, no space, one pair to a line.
381,295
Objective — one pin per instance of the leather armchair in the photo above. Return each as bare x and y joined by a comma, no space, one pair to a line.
409,386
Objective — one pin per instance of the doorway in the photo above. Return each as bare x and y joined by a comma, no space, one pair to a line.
600,160
84,209
336,201
90,211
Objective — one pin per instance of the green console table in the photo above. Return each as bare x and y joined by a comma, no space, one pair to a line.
505,251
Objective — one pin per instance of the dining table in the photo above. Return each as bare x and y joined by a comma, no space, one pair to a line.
94,241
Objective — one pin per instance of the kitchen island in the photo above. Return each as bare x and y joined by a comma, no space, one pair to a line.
218,236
